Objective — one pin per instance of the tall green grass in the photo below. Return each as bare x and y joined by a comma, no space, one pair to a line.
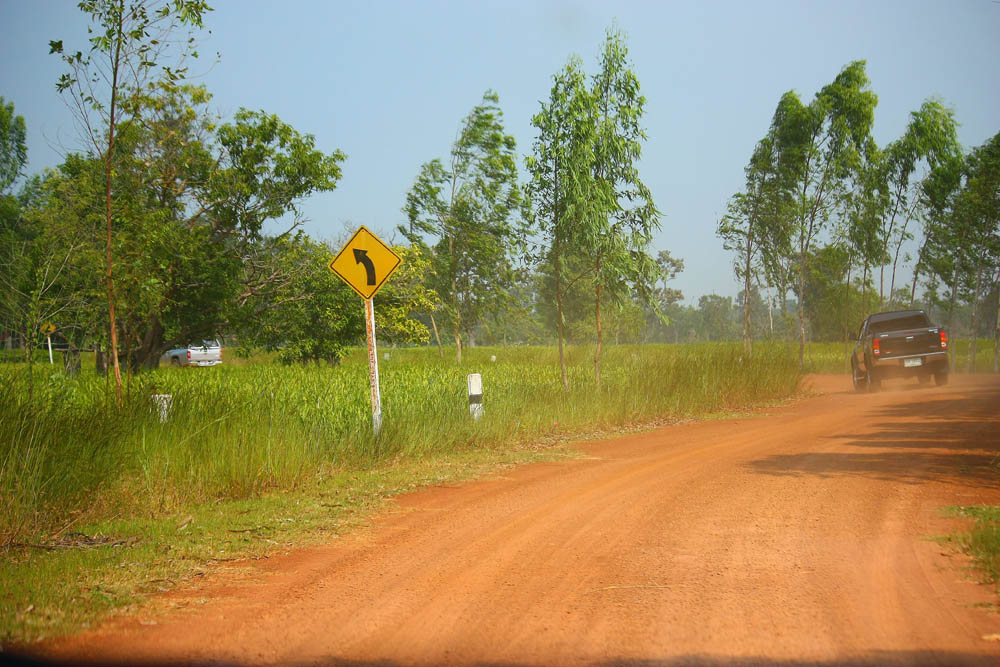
235,432
835,358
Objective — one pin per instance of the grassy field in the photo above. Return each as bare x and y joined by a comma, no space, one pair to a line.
103,504
835,357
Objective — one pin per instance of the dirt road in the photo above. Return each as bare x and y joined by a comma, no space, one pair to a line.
793,537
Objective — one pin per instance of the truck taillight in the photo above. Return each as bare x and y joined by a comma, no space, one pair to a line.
189,355
220,354
944,340
875,347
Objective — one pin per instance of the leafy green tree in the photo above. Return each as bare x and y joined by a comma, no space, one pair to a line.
128,43
931,136
192,261
817,145
464,217
13,146
403,297
13,157
563,190
718,317
755,226
618,236
314,316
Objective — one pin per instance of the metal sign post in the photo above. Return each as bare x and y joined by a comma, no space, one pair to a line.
365,263
373,367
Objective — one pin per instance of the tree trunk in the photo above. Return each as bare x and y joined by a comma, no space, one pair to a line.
148,353
770,312
975,319
864,290
597,323
847,315
996,329
437,336
747,339
559,328
916,273
802,316
112,325
951,317
458,345
71,360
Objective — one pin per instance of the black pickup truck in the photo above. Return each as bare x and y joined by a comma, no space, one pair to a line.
899,344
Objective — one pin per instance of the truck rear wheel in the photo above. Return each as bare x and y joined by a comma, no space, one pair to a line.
872,381
858,380
941,379
175,361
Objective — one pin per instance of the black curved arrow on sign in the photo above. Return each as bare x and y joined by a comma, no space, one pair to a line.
361,257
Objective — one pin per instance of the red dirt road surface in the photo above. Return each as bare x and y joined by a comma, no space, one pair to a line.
795,537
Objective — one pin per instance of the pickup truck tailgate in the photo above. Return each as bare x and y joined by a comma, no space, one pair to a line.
906,343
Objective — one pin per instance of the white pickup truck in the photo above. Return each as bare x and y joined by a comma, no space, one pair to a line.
209,353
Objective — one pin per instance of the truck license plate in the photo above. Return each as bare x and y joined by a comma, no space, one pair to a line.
913,362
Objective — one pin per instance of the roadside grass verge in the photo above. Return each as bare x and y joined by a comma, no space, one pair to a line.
96,497
70,580
981,542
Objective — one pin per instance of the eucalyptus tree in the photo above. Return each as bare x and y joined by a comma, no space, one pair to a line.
13,146
129,45
977,213
465,216
963,231
618,236
818,143
565,196
862,211
930,137
755,225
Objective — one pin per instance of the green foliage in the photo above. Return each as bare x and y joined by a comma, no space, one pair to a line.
463,218
267,167
237,432
13,146
311,315
594,213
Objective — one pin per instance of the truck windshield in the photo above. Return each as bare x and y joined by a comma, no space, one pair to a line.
899,323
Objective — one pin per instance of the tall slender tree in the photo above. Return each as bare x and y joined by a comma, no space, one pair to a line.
466,217
755,225
618,237
564,193
129,48
817,144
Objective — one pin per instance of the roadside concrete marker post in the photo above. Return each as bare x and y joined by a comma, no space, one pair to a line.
475,381
49,329
162,404
365,263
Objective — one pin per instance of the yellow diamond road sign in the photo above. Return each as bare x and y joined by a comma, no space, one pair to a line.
365,263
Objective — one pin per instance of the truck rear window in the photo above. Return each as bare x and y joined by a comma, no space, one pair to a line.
899,323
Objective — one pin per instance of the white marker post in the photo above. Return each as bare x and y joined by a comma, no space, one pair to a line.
373,367
49,339
475,381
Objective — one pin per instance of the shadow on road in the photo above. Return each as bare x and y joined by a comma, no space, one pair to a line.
951,438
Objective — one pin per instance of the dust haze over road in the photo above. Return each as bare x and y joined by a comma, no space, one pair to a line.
794,536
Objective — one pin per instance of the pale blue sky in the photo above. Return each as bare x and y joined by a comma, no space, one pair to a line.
388,82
